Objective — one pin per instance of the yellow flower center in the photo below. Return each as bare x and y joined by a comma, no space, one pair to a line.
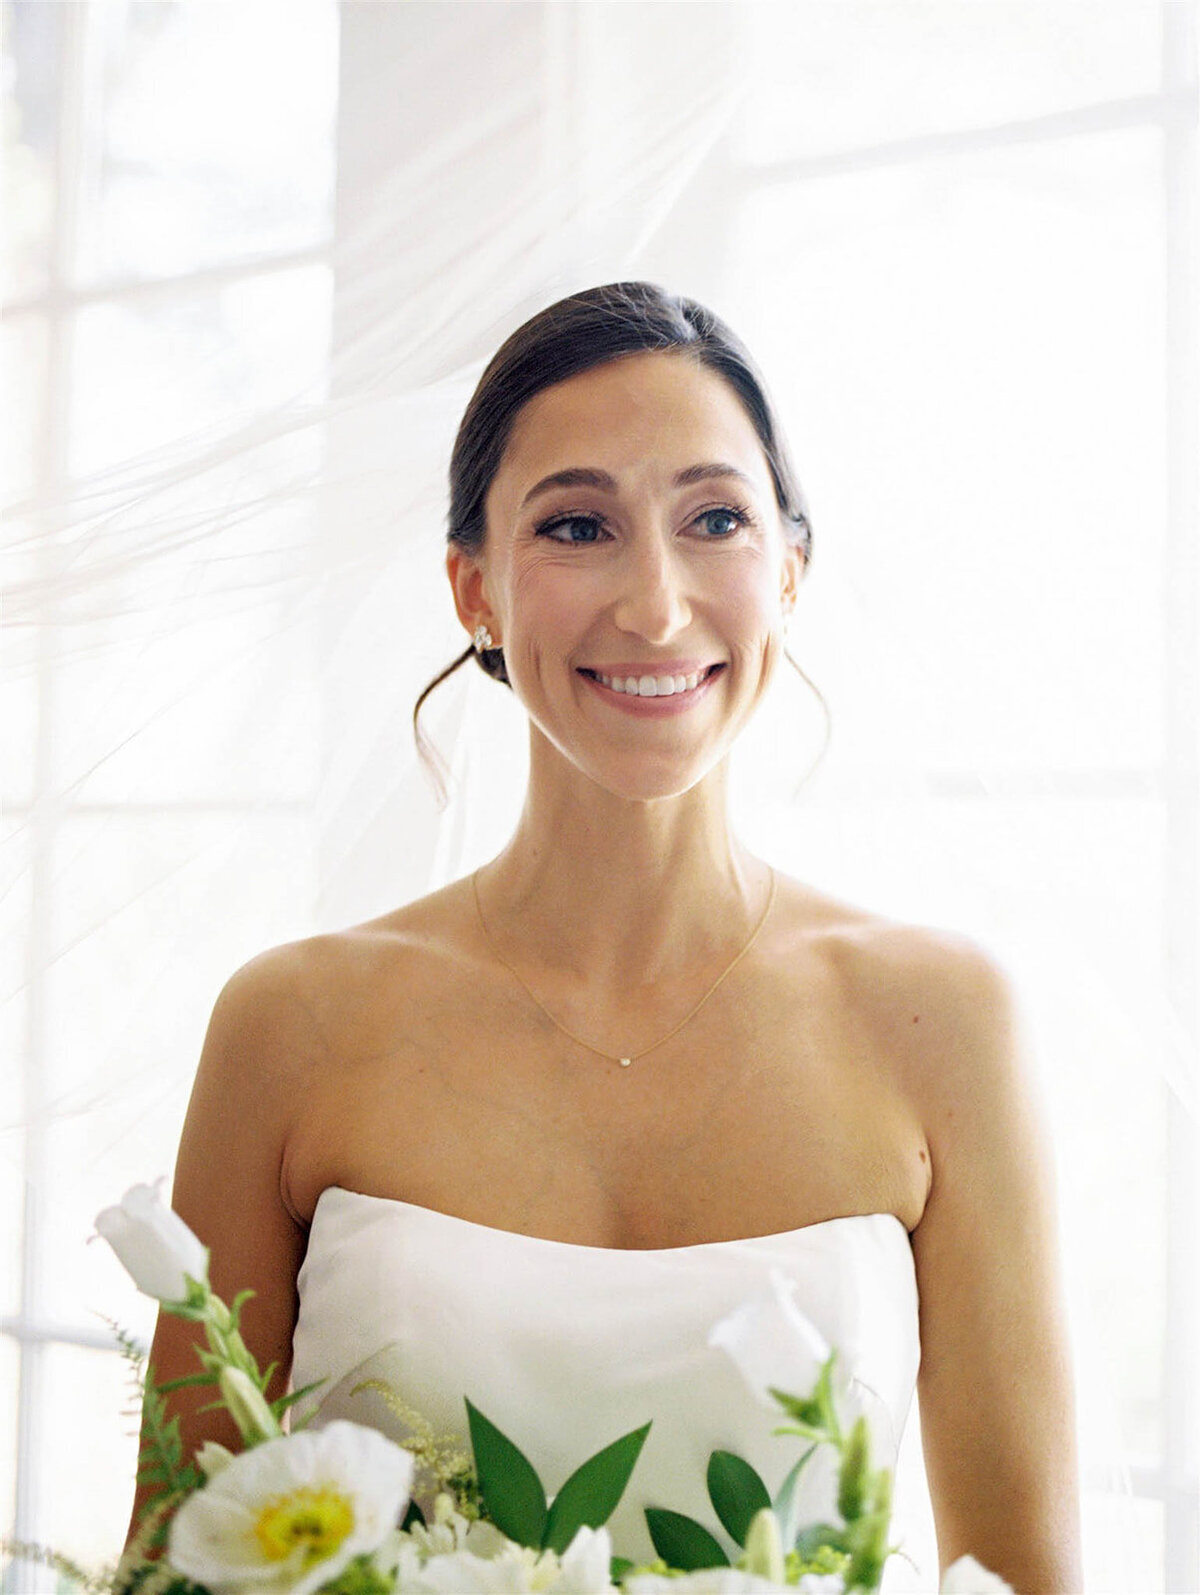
316,1520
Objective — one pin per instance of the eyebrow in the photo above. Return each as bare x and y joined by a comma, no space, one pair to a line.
589,476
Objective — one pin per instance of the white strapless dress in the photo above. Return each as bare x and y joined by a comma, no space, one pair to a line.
567,1347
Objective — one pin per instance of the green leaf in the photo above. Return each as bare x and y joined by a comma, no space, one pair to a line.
188,1379
236,1305
682,1542
804,1432
413,1515
618,1567
512,1492
810,1540
817,1412
785,1500
854,1474
282,1403
807,1412
736,1492
824,1394
590,1495
867,1543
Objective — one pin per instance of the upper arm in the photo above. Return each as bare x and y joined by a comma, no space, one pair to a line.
261,1040
997,1415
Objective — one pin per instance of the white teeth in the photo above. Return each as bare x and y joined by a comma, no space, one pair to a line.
652,686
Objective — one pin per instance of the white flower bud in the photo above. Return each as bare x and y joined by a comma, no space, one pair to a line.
154,1244
764,1547
212,1457
773,1343
248,1406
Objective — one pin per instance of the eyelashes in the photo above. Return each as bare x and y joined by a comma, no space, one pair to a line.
562,528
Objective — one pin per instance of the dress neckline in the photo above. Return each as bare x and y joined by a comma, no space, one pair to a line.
518,1237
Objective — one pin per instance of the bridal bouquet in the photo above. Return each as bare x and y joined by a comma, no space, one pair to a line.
332,1510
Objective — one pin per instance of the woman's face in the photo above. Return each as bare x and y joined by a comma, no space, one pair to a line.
634,571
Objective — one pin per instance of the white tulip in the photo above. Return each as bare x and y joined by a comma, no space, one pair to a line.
290,1514
969,1577
154,1244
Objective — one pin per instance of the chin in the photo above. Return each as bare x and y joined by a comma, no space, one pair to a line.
647,779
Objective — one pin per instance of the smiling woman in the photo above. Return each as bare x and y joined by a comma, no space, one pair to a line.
410,1138
597,573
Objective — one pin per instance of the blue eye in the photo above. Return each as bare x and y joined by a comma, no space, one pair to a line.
723,522
572,529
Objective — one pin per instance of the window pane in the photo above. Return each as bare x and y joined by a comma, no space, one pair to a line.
9,1371
215,134
1124,1536
969,356
14,929
33,35
22,398
223,709
152,372
155,913
18,666
831,77
86,1454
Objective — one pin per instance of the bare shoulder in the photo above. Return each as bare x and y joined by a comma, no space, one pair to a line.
296,999
941,1011
935,993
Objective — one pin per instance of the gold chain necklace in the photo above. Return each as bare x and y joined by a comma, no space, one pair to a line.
662,1040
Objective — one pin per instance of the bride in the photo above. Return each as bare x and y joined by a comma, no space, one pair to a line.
537,1131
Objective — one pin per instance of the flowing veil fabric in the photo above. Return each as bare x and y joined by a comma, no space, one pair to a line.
490,158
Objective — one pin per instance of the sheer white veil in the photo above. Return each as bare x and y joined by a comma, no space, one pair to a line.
298,548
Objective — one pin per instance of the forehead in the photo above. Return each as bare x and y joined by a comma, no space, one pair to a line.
639,415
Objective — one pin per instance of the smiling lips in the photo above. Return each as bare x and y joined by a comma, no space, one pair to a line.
659,685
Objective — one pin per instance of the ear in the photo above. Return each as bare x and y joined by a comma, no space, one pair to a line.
467,584
795,567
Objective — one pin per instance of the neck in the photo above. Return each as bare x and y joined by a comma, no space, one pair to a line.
622,892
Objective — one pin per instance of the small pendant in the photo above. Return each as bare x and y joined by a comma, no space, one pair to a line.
625,1062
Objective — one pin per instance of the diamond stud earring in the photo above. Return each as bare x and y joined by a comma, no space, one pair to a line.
482,638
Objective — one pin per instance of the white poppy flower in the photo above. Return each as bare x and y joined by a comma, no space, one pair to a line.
153,1243
583,1569
585,1564
516,1571
706,1581
969,1577
289,1514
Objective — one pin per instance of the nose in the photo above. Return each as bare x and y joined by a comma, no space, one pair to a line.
653,603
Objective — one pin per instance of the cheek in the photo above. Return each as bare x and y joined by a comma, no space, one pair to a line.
544,598
751,597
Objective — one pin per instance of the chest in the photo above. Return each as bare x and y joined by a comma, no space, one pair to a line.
773,1108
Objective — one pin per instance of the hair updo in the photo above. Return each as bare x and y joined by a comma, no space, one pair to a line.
588,329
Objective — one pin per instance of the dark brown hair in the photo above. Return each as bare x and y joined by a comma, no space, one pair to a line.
574,335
